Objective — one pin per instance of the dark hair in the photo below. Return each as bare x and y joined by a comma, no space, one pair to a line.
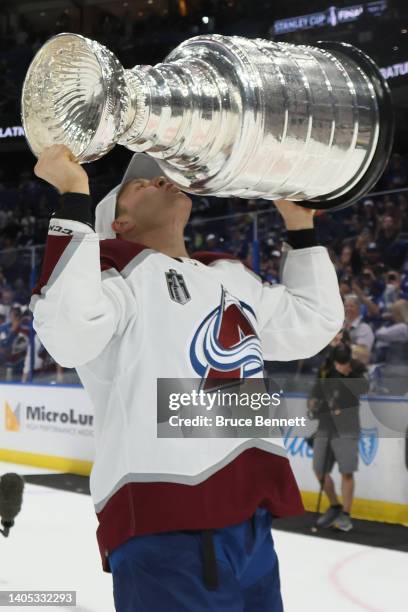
342,353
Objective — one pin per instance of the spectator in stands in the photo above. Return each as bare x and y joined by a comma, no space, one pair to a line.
29,193
28,220
360,332
238,243
392,249
363,240
345,258
349,261
392,348
404,278
22,294
361,353
387,234
13,343
26,317
7,298
345,286
372,255
398,330
369,213
369,291
9,259
393,289
26,237
390,207
402,201
43,362
4,284
270,268
397,172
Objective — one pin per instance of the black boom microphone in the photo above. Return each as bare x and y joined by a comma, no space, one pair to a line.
11,498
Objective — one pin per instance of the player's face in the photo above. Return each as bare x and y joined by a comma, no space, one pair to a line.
148,205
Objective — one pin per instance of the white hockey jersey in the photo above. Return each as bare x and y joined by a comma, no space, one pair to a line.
106,307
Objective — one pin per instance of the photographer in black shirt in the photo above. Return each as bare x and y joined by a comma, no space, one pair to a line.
334,401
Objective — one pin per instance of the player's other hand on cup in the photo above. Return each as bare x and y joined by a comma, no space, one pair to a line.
57,166
295,217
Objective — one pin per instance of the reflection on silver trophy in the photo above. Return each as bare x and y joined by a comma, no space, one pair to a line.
222,115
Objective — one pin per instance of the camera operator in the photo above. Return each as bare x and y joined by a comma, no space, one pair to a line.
334,401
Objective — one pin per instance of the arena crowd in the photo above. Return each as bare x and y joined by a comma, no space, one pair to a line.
368,244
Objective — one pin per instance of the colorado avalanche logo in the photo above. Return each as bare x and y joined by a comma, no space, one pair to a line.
226,345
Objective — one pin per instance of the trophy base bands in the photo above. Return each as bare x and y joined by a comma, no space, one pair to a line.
37,598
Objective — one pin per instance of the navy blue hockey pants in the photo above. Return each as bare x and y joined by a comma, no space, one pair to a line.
234,569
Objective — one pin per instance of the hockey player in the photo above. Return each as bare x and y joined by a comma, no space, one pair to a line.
184,524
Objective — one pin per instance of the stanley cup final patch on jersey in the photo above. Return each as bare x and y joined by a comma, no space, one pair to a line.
177,287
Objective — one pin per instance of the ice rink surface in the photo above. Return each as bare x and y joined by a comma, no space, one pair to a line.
53,547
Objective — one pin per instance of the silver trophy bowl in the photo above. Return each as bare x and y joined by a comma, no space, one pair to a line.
222,115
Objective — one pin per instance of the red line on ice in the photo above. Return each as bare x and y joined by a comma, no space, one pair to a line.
335,579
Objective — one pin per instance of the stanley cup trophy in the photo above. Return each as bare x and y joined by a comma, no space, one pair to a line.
224,116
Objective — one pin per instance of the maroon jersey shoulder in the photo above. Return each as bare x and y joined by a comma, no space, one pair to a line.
117,254
208,257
